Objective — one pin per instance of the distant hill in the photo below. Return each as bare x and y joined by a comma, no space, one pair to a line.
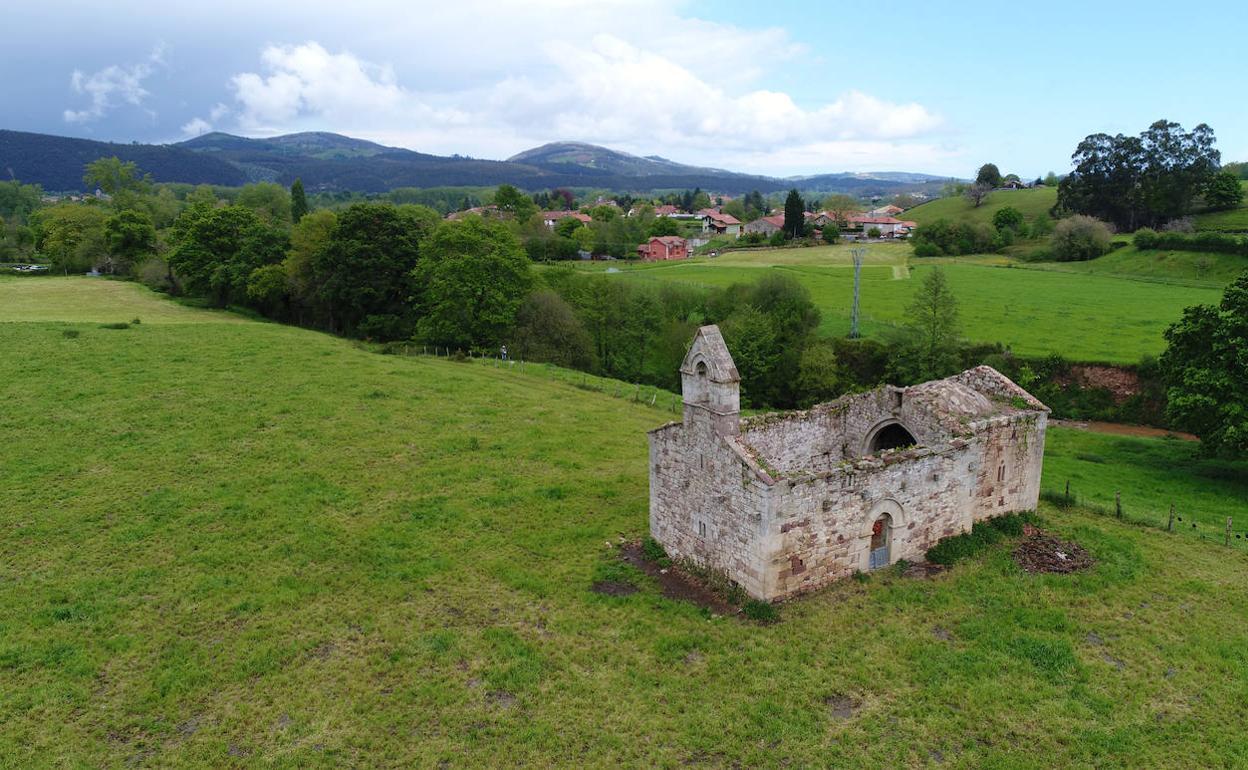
56,162
562,156
327,161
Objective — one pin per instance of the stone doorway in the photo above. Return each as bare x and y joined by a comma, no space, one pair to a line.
881,540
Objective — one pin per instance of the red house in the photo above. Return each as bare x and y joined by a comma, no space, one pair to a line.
664,247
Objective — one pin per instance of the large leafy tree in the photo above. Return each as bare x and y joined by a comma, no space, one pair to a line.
471,278
131,238
1224,191
1206,370
1140,181
269,200
364,273
989,175
218,250
794,215
120,179
72,236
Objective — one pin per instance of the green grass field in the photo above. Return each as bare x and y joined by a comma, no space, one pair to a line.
1032,203
1085,317
1233,221
249,544
1187,268
1151,474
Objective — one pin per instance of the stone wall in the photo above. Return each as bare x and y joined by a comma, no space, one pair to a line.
783,504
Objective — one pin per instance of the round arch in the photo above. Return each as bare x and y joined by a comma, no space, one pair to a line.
898,521
887,434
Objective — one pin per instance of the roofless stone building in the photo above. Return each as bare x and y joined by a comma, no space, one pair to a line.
785,503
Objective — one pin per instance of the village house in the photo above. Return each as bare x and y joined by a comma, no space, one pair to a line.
664,247
719,223
787,503
766,225
552,218
886,211
889,227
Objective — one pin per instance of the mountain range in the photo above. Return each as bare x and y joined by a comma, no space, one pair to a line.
332,162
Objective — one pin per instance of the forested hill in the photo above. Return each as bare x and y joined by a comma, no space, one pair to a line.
326,161
56,162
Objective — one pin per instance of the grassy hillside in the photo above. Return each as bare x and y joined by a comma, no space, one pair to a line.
240,544
1233,221
1033,203
1188,268
1083,317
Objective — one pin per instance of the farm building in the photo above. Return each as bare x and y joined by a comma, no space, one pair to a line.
720,223
766,225
786,503
664,247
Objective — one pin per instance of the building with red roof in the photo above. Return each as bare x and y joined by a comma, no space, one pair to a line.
664,247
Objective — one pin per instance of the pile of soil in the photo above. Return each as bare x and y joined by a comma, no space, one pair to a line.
1039,552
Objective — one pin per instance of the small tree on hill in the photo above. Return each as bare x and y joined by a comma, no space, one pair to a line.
977,193
989,175
1224,191
930,347
794,215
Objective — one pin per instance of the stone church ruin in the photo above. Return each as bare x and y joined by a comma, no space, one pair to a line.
788,502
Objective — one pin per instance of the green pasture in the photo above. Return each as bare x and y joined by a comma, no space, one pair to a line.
1084,317
248,544
1189,268
1151,474
1032,203
1233,221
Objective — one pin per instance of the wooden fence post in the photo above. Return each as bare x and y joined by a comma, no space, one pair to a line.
1067,491
1228,530
1118,503
1170,525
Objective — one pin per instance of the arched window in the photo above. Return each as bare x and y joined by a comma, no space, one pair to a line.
701,368
891,436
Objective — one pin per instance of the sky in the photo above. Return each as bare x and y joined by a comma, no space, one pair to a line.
780,88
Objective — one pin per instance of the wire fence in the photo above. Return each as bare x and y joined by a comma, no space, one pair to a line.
1175,520
647,395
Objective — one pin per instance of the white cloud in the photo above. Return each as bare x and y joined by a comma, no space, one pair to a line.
113,85
196,127
694,90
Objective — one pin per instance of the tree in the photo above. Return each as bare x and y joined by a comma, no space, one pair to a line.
1080,238
309,238
989,175
18,201
365,271
819,376
220,248
930,348
510,200
1008,218
131,238
1224,191
71,235
298,201
1142,181
831,233
752,342
794,215
663,226
977,193
271,202
874,232
735,208
1051,180
472,277
1206,372
116,178
548,329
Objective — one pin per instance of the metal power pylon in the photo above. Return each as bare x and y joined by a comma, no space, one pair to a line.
858,253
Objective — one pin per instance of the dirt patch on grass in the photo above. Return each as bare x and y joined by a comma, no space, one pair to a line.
842,706
613,588
923,570
676,583
1122,429
1039,552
